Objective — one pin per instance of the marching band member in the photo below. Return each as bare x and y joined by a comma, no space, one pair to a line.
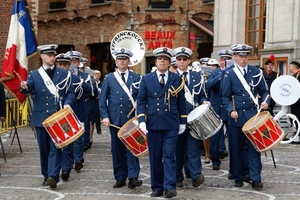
224,55
74,151
53,90
243,83
187,145
270,76
161,99
173,65
116,103
96,120
295,70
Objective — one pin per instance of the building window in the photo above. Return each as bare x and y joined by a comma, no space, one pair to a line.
97,1
255,26
57,4
160,3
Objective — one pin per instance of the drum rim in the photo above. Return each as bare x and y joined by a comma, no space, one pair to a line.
207,108
128,122
58,116
258,124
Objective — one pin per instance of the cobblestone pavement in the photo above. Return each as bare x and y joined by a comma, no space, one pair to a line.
21,177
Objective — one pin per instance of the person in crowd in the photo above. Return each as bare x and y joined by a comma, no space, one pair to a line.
116,104
97,76
2,103
188,146
294,68
173,65
240,87
270,76
53,91
161,99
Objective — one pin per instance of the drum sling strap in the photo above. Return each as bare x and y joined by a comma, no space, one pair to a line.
244,83
188,95
49,84
125,88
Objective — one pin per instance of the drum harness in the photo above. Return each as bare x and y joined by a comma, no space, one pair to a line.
245,84
52,88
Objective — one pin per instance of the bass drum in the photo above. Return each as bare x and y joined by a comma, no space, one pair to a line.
131,41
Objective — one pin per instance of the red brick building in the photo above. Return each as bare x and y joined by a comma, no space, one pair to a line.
89,26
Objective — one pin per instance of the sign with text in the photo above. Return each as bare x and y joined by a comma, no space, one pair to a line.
159,39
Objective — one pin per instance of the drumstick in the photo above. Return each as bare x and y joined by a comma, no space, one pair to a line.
233,105
260,108
114,126
19,77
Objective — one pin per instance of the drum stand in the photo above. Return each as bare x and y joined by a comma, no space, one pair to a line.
272,157
13,121
30,114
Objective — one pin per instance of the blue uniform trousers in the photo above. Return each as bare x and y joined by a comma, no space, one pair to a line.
162,146
181,155
194,157
237,143
125,164
214,147
67,158
50,156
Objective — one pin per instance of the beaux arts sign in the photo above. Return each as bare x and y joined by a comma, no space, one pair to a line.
158,39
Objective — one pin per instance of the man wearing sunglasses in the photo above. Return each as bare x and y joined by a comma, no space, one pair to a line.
188,146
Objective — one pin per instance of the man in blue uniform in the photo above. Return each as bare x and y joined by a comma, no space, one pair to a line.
162,114
116,104
187,145
243,83
53,90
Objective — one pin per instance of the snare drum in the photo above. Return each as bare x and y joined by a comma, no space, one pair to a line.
204,122
63,127
263,132
133,138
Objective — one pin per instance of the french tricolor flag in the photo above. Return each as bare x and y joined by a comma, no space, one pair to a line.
21,43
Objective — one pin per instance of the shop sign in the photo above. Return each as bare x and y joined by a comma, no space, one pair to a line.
159,39
150,20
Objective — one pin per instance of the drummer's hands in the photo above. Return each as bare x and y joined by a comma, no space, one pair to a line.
206,102
24,85
182,128
234,115
67,106
143,127
106,122
264,105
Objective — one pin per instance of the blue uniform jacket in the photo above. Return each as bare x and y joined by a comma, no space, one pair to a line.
114,103
44,101
151,102
194,85
213,84
245,107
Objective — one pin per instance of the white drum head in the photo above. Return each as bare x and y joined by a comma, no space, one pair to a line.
197,112
285,90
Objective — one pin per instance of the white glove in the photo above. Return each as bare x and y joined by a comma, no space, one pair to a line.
182,128
143,127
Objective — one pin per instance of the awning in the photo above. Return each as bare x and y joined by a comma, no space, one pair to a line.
203,25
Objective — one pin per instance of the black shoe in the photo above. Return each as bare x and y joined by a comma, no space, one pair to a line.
247,178
65,175
78,166
82,160
238,184
156,193
100,132
119,184
91,142
216,167
87,147
257,185
230,176
170,193
198,181
52,182
179,184
134,182
223,154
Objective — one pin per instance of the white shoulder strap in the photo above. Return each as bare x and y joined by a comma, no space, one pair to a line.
48,82
188,95
125,88
244,83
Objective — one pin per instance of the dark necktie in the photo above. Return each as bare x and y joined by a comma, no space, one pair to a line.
162,80
123,77
245,73
50,72
185,79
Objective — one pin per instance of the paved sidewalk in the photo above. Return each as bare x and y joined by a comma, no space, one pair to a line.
21,177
